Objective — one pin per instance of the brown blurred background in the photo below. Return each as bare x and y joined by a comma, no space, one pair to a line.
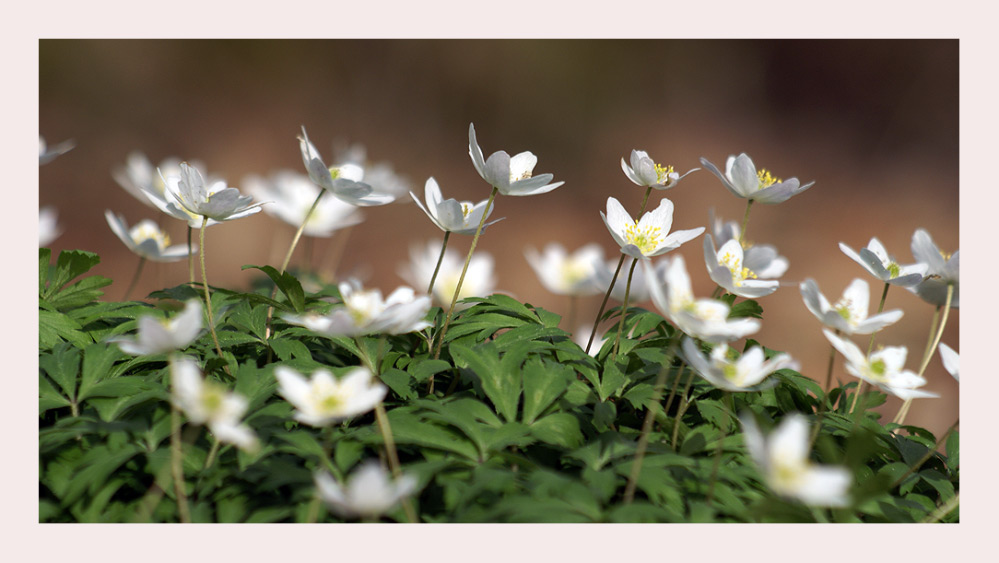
874,123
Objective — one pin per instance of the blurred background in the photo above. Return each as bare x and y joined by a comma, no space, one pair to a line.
873,122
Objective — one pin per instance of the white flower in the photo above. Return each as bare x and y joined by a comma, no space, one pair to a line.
742,179
646,237
950,359
216,202
883,368
727,269
875,259
480,279
291,195
645,172
941,270
324,399
368,492
582,337
451,215
783,458
761,259
48,226
209,403
157,336
379,175
565,274
365,312
146,239
146,182
849,314
47,154
343,182
706,319
639,288
742,374
510,175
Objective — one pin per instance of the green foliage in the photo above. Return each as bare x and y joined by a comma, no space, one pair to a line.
521,425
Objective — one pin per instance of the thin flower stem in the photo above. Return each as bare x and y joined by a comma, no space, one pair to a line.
681,410
135,278
904,410
461,279
870,346
718,448
745,222
624,307
208,296
190,254
177,466
393,456
676,381
610,288
829,369
650,416
944,510
717,292
211,454
440,259
821,412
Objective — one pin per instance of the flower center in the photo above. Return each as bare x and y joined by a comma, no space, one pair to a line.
946,255
734,265
574,272
334,172
363,306
523,176
466,208
894,270
766,179
843,308
211,398
647,240
729,371
663,173
330,403
148,231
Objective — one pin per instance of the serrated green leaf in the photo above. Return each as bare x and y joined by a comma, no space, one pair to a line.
98,359
54,327
501,379
287,283
558,429
612,379
544,382
400,382
69,265
79,293
63,367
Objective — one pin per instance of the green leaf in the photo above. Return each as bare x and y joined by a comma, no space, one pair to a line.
401,383
287,283
70,264
612,379
287,349
747,308
500,380
421,369
953,450
79,293
409,429
544,381
559,429
54,327
63,366
97,361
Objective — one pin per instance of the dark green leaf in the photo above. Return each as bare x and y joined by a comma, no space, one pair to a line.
287,283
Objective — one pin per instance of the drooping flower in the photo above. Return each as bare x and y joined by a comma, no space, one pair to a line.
645,172
727,268
47,154
368,492
941,270
648,236
849,314
875,259
762,259
365,312
159,336
324,399
480,279
706,319
146,239
451,215
883,368
512,176
743,179
567,274
783,458
951,360
727,372
48,226
343,182
210,403
291,195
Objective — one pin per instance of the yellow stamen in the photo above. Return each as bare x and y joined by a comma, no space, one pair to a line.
739,274
663,173
766,179
647,240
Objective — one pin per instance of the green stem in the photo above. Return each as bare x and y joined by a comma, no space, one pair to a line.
211,454
190,254
680,411
745,222
902,412
177,466
718,448
624,308
208,296
135,279
870,347
393,456
440,259
821,412
603,304
461,279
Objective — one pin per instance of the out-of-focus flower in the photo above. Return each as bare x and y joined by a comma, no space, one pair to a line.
849,314
875,259
343,182
47,154
883,368
451,215
728,270
510,175
645,172
761,259
146,182
727,372
365,312
941,270
581,337
639,288
742,179
146,239
951,360
648,236
706,319
480,279
567,274
783,459
210,403
156,336
324,399
368,493
291,195
381,176
48,226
